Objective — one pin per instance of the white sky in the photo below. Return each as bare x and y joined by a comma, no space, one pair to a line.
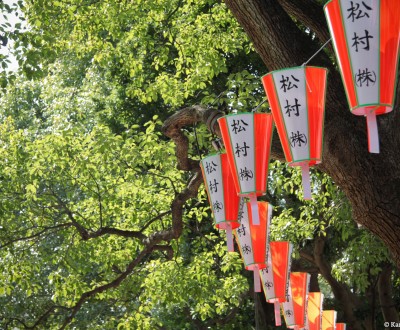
12,19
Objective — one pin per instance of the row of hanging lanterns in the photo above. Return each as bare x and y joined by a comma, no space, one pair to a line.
366,42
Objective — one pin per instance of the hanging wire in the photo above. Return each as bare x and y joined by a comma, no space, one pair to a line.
217,98
197,142
259,105
316,53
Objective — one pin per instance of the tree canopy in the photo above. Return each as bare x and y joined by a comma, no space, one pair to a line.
104,222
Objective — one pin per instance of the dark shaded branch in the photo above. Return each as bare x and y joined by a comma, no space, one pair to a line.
113,284
388,305
44,230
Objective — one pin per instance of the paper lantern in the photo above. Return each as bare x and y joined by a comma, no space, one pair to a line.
328,320
314,310
295,310
275,278
253,239
366,38
297,100
221,193
340,326
247,139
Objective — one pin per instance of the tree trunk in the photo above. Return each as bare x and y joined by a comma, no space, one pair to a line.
387,303
370,181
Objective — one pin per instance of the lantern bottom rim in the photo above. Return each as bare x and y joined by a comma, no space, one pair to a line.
309,162
249,193
256,266
278,299
224,225
378,109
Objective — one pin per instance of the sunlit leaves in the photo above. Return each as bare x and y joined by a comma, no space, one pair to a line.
170,49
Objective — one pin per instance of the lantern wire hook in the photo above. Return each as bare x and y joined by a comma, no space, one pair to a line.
316,53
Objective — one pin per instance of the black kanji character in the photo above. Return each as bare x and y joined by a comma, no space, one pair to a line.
364,41
365,78
237,126
297,139
245,174
356,12
241,150
211,167
292,108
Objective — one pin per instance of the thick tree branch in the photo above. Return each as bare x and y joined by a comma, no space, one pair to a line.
113,284
187,117
310,13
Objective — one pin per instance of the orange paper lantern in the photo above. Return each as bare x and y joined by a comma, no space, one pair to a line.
253,239
340,326
297,100
314,310
366,38
221,193
275,278
295,310
247,139
328,320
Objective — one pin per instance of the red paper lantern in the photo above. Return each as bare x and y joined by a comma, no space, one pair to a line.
340,326
221,193
247,139
314,310
366,38
328,320
253,239
297,100
295,309
275,278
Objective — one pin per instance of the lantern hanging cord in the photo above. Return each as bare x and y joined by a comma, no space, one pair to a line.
259,105
197,142
316,53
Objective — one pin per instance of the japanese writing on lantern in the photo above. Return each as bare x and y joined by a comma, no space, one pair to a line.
298,139
240,214
362,39
241,150
245,174
292,90
241,230
213,186
239,126
210,167
292,108
365,77
288,82
246,249
289,313
268,284
357,10
217,206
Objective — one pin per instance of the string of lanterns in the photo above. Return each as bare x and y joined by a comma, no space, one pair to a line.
366,38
